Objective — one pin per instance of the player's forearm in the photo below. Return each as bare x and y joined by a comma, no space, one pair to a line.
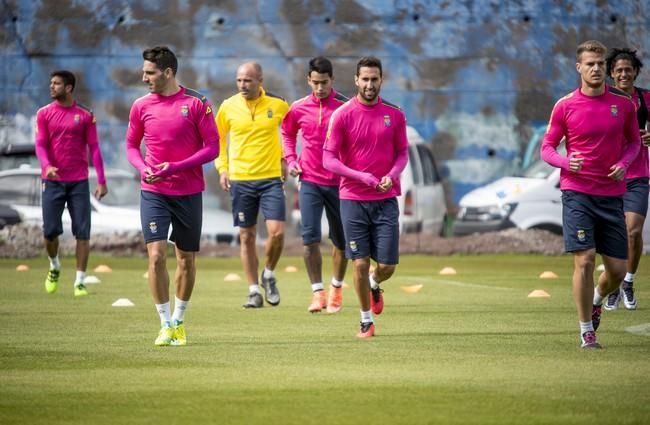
134,156
98,162
551,156
333,164
399,165
204,155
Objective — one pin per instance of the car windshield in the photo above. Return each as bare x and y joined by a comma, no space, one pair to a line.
123,191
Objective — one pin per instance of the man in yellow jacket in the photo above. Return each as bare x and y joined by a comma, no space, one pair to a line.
250,168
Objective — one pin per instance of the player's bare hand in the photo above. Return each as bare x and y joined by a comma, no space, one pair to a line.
100,191
385,184
149,176
224,179
645,137
51,172
618,173
294,169
575,162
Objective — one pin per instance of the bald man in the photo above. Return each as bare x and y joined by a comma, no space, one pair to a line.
251,169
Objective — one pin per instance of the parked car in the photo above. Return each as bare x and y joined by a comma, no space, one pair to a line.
118,211
531,201
422,203
15,155
8,216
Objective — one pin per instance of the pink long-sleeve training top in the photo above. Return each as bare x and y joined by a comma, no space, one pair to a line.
64,135
310,116
178,129
365,143
603,130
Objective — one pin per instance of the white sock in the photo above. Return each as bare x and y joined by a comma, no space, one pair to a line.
318,286
164,313
80,278
253,288
598,299
55,264
366,316
373,284
267,273
336,283
629,277
586,327
179,309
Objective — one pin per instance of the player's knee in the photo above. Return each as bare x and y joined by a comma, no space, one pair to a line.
384,271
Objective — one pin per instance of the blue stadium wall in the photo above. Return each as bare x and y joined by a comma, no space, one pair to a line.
476,78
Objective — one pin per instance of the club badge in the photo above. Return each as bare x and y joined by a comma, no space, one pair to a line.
581,235
387,120
241,216
185,111
269,113
614,110
353,246
77,118
153,227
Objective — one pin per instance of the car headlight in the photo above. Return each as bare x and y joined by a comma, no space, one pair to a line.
486,213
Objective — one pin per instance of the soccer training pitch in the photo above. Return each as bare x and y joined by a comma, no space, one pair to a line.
469,348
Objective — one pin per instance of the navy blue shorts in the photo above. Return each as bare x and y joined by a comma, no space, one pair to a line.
313,198
184,213
636,198
56,194
371,229
249,196
590,221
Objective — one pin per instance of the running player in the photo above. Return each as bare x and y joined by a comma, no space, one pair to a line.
251,169
318,186
366,145
177,125
602,139
623,65
65,132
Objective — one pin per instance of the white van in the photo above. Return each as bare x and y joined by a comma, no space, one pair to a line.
422,204
532,201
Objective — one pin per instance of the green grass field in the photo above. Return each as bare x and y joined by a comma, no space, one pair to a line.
466,349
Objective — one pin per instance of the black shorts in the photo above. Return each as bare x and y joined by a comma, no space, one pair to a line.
590,221
636,197
249,196
56,194
183,213
313,198
371,229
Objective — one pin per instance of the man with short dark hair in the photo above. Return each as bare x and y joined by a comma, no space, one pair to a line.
623,66
598,124
367,146
177,126
250,168
318,186
65,132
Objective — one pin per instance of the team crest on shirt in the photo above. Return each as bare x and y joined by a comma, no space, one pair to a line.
77,118
581,235
185,111
387,120
353,246
269,113
153,227
614,110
